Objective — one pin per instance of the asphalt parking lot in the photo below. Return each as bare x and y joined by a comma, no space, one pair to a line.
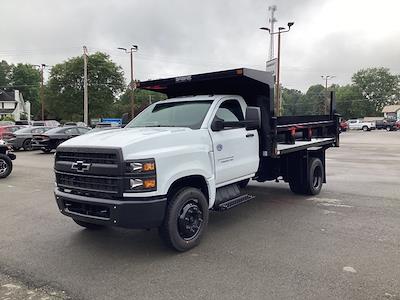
342,244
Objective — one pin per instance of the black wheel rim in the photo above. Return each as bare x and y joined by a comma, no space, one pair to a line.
3,166
190,220
317,177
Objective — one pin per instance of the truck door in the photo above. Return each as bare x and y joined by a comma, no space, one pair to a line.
235,149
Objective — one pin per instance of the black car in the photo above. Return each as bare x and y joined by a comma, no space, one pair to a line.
54,137
6,158
23,138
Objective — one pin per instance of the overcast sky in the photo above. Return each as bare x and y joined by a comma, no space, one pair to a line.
178,37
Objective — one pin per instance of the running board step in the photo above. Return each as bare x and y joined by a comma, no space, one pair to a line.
234,202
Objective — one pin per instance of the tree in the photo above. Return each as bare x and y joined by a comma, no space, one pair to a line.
5,74
314,100
142,100
64,95
292,102
26,78
378,86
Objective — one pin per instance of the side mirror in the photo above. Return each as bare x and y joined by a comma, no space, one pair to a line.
217,124
253,118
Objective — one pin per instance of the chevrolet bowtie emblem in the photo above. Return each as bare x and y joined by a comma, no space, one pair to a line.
80,166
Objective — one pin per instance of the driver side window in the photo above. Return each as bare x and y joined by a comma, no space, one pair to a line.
230,111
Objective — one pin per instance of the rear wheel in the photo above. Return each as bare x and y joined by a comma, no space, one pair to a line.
27,145
5,166
388,128
365,128
185,220
314,180
88,225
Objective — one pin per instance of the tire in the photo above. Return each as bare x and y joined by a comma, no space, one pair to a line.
185,220
388,128
243,184
27,145
314,181
315,178
46,150
365,128
6,166
90,226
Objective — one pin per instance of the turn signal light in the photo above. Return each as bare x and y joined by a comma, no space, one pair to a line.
149,183
149,166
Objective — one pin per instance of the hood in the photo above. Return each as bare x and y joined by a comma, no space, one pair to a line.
122,138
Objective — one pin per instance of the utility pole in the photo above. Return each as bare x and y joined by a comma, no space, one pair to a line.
42,88
133,49
326,78
41,94
272,21
278,72
85,87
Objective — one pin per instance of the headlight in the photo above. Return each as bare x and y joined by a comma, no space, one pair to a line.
141,175
140,166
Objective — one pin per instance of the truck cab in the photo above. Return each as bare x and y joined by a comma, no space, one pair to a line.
194,152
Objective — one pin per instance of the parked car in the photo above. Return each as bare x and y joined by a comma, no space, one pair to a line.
46,123
23,122
389,125
359,124
107,124
6,123
52,138
98,129
23,138
6,158
6,132
79,124
343,126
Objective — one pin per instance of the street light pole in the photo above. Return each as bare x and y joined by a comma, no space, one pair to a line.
326,78
278,71
134,48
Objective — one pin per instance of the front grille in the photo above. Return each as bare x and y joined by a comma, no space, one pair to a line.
99,158
101,179
89,183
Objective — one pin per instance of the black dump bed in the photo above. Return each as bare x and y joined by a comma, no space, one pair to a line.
279,135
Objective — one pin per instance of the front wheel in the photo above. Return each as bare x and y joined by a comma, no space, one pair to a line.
388,128
365,128
6,166
186,219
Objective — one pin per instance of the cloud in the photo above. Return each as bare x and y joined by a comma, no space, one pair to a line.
177,37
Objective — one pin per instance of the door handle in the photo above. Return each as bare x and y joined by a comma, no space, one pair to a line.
249,135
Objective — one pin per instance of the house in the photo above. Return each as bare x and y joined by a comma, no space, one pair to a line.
392,112
12,103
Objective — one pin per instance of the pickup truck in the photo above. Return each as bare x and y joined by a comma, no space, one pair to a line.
358,124
189,154
387,124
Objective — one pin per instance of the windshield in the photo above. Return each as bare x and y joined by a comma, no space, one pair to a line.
173,114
